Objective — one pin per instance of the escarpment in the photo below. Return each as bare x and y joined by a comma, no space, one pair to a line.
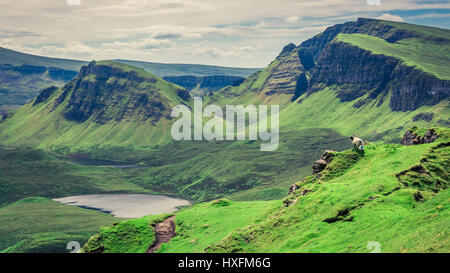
103,93
354,72
207,83
358,73
367,26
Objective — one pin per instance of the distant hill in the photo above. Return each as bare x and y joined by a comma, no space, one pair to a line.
173,69
23,76
352,79
369,77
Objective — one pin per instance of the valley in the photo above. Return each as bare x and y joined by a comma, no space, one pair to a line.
101,139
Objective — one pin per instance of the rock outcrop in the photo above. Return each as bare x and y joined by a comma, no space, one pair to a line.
45,94
104,92
355,73
325,159
412,138
205,83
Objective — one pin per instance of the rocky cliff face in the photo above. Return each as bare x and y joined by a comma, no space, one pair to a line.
207,83
411,137
356,73
284,76
363,26
103,92
21,83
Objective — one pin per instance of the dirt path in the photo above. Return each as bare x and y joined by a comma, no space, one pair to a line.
164,231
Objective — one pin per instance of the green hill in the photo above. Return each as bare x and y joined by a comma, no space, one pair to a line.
391,195
108,104
40,225
369,78
23,76
327,89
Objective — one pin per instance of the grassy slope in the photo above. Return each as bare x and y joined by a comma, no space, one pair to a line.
424,31
378,208
161,69
41,225
13,84
208,170
43,127
360,197
26,172
8,56
428,55
206,223
196,227
130,236
323,110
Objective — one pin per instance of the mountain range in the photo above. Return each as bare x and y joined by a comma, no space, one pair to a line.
23,76
370,78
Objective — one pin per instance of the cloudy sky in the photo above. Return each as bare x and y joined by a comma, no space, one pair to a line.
246,33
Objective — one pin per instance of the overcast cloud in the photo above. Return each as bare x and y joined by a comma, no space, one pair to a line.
246,33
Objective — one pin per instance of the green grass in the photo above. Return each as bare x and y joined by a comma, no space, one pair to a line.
423,31
38,224
428,55
26,172
356,204
359,198
131,236
8,56
161,69
377,123
199,226
202,171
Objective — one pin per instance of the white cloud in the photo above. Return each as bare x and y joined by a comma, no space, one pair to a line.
214,52
260,25
390,17
146,43
292,19
73,2
176,30
72,48
374,2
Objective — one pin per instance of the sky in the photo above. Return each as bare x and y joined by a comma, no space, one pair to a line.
238,33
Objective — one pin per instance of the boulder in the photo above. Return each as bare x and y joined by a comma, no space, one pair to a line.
411,138
325,159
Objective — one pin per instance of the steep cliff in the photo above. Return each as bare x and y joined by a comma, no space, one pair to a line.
204,84
402,64
106,101
106,92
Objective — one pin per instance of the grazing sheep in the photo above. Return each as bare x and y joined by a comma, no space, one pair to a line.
357,143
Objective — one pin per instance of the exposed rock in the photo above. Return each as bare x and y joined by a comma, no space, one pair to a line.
318,166
325,159
430,136
287,49
362,25
3,116
423,116
306,58
292,188
45,94
284,75
209,83
411,138
418,196
302,86
358,72
291,201
106,92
